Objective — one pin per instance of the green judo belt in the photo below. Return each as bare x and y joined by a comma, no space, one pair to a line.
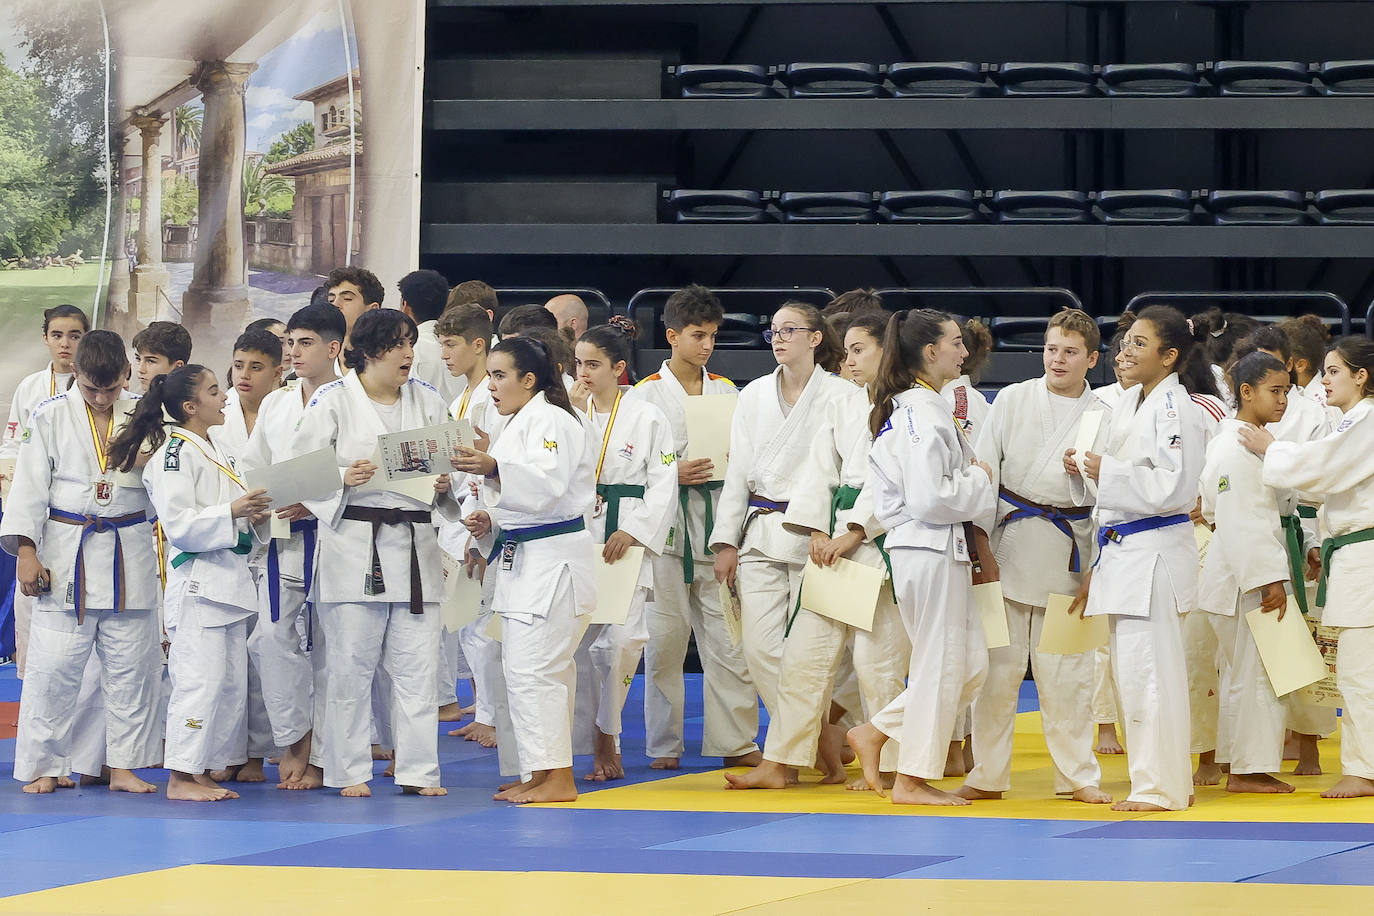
843,500
1292,542
1329,548
611,494
683,491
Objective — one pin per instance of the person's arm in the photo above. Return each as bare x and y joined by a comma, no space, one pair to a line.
318,428
1141,489
648,521
733,506
1331,464
539,476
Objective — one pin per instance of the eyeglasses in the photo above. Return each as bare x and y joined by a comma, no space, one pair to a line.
783,334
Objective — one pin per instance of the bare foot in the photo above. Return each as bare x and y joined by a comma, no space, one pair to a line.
381,753
225,775
968,754
1290,745
428,791
767,775
508,790
462,732
972,794
485,735
606,763
451,712
829,755
909,790
1091,795
182,787
1350,787
868,743
664,763
954,759
312,778
128,781
294,762
390,771
556,786
470,710
751,759
1107,742
1208,772
1137,806
1309,759
102,780
361,790
1257,782
860,784
251,771
43,785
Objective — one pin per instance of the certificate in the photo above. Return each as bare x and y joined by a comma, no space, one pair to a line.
462,601
1325,692
1085,440
313,476
6,468
615,584
846,592
420,489
708,429
1291,658
1203,534
734,616
994,613
423,452
1063,633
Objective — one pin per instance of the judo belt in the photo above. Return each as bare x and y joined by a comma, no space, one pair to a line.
760,506
1059,518
535,533
96,524
242,548
683,491
843,500
1307,511
308,527
1329,547
1115,534
1292,542
611,494
379,517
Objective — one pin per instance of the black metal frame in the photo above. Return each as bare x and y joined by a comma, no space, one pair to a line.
1207,299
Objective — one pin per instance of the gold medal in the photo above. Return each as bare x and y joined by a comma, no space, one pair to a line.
104,487
104,492
599,508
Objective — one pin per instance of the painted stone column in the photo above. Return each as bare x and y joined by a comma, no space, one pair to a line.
150,278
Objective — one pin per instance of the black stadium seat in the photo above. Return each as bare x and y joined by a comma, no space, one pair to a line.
953,79
828,206
1258,208
1041,206
1262,77
742,331
1023,335
1167,206
1345,207
929,207
1346,77
724,81
1153,80
833,81
1040,79
691,206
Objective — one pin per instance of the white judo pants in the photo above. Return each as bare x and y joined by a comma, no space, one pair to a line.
729,701
88,729
379,639
483,656
1105,708
541,680
1064,684
207,714
847,693
1250,733
949,657
767,597
124,647
1202,656
1152,684
607,659
23,620
453,666
285,670
811,657
1355,678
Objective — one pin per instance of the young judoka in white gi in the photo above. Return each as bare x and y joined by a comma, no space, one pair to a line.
85,553
158,349
686,596
379,578
1146,574
423,293
1340,468
63,326
1309,338
770,437
929,492
206,515
538,483
293,679
636,491
830,507
1248,565
464,335
971,405
1042,545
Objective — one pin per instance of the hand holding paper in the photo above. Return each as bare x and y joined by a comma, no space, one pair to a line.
1063,633
615,585
1290,657
708,429
846,591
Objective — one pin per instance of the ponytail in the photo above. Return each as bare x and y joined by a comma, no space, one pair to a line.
616,339
1193,365
145,428
531,356
908,332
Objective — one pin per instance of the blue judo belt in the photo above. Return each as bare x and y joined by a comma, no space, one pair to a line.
535,533
308,527
1059,518
95,524
1115,534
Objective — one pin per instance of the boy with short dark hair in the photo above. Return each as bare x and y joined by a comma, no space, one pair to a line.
159,348
422,298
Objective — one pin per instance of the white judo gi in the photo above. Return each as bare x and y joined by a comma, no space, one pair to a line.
369,620
1146,579
686,602
829,497
1035,544
1340,467
429,363
970,405
103,599
209,598
545,579
924,489
768,442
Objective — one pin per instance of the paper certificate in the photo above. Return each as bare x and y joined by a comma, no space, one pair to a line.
462,596
1291,658
708,429
1086,439
615,584
1063,633
310,477
422,452
1203,535
994,613
846,592
420,489
734,616
6,468
1325,692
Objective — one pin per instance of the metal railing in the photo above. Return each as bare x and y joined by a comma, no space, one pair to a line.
1206,299
528,295
1058,293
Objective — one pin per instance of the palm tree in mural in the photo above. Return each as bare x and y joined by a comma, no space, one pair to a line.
259,186
187,120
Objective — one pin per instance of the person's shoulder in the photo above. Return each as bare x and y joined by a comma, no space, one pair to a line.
46,406
421,384
720,379
646,383
327,392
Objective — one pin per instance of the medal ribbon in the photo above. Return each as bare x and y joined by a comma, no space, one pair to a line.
606,439
228,472
463,404
102,457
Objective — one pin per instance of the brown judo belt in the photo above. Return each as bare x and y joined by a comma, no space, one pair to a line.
377,518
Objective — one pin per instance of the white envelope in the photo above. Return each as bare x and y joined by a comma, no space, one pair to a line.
708,429
994,614
1084,441
462,596
1068,634
615,584
846,592
312,476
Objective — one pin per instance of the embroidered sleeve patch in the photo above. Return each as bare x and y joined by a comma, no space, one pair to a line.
1223,484
1175,441
551,445
669,457
172,460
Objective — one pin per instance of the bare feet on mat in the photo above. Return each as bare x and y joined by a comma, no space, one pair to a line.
972,794
830,755
664,763
1208,772
767,775
1350,787
181,787
251,771
1091,795
954,759
751,759
128,781
312,778
1308,757
43,785
293,763
390,770
606,763
451,712
381,753
1262,783
361,790
508,790
1137,806
860,783
867,743
485,735
430,791
908,790
556,786
1107,741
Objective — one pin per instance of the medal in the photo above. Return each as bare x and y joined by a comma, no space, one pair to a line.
599,508
104,492
104,487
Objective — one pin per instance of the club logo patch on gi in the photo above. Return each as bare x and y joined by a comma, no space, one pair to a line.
911,428
11,428
668,457
1172,414
1345,424
629,679
1223,484
172,460
551,445
887,424
1175,441
28,432
195,723
628,451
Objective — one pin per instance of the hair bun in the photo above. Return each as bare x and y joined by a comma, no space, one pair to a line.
625,325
